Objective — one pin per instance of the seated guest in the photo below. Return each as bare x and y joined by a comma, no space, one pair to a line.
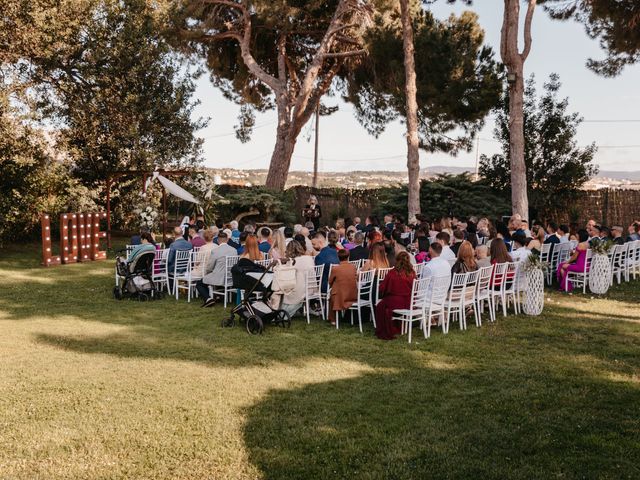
552,237
482,256
472,234
216,269
333,240
377,258
605,233
358,224
146,245
178,244
279,247
288,234
466,261
241,241
443,238
519,251
634,232
499,254
251,250
616,235
437,266
209,246
326,256
349,244
295,254
305,242
575,263
458,238
265,237
344,285
215,230
195,239
563,233
535,244
137,239
359,251
395,294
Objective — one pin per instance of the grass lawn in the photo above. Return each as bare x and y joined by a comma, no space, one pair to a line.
93,388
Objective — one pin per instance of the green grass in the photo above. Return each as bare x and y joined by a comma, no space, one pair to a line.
93,388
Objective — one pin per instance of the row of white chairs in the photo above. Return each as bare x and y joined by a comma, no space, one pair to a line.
624,260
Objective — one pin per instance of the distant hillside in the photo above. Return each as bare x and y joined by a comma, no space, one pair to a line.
633,176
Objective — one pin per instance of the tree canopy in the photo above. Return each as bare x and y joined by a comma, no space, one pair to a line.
458,80
556,166
615,23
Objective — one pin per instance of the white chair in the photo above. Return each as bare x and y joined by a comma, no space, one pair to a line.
545,252
580,279
365,297
619,262
226,290
327,295
381,273
418,267
509,288
181,269
312,290
469,300
187,280
357,263
495,289
455,300
633,259
416,310
483,293
436,303
160,276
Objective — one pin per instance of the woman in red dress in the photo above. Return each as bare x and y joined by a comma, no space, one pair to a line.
395,292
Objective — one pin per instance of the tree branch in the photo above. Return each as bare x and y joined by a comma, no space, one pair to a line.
527,30
354,53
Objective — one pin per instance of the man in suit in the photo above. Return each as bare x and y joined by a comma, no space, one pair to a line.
179,244
359,252
344,287
216,269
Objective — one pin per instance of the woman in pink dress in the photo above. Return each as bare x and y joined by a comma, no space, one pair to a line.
575,263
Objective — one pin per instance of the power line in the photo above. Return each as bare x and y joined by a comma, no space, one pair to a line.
231,134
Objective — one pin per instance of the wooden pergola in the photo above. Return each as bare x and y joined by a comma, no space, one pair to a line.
145,174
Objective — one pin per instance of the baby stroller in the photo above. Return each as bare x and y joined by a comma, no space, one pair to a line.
256,312
136,277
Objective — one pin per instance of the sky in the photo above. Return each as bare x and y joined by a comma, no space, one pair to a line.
558,47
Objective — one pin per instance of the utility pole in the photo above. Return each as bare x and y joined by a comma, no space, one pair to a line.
477,159
315,154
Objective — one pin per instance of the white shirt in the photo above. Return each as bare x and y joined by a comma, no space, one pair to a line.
437,267
447,254
520,254
563,238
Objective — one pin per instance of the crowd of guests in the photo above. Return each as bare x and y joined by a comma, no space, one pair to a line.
446,246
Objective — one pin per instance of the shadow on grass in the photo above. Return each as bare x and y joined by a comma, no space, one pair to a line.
499,423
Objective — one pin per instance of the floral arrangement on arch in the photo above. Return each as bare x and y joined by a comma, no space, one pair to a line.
203,186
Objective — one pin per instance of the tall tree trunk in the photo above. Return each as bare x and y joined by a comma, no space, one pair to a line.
413,153
519,197
284,147
514,61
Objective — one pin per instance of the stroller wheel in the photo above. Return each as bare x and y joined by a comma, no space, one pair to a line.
229,322
117,293
254,325
283,319
143,297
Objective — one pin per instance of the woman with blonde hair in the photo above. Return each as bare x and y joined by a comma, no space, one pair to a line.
279,246
377,257
466,261
535,244
312,212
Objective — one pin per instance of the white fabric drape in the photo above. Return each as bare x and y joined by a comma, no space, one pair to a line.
175,189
